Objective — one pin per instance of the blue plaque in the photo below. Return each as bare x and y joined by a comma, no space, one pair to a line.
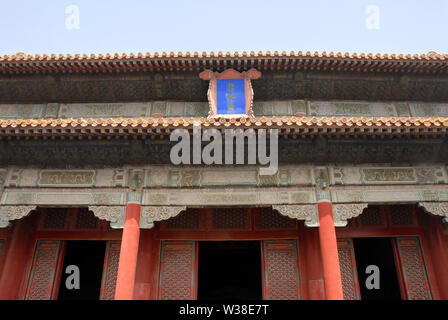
231,97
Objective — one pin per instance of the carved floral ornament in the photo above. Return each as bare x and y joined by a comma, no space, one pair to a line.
151,214
345,211
436,208
114,214
10,213
307,212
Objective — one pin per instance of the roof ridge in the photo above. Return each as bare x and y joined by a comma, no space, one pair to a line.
21,56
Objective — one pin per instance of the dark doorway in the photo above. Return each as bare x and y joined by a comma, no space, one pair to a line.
88,256
378,252
229,270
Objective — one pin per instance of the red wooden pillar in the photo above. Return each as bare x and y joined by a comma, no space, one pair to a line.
128,253
313,261
439,254
329,250
144,273
18,259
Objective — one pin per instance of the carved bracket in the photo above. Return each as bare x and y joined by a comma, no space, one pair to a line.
10,213
436,208
113,214
307,212
151,214
343,212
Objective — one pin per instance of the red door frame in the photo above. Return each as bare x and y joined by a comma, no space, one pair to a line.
205,233
97,235
396,232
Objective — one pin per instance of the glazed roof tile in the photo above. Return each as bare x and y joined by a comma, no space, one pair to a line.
26,63
287,125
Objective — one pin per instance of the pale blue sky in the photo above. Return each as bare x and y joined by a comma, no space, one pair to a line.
406,26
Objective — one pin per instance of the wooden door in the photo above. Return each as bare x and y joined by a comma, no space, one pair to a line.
110,270
178,270
281,279
42,283
349,272
413,270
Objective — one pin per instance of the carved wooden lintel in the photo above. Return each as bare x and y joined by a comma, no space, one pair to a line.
345,211
114,214
151,214
10,213
436,208
307,212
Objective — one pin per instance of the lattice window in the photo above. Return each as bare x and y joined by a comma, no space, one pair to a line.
271,219
413,269
85,219
402,215
349,275
372,216
281,271
186,220
55,218
230,218
177,270
110,270
44,270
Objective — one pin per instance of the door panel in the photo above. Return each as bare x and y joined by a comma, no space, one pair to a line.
178,270
110,270
281,280
413,268
349,273
46,262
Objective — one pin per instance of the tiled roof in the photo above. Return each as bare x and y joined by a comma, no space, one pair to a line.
23,63
286,125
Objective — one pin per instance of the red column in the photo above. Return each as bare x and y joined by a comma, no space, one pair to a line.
14,277
128,253
329,250
439,254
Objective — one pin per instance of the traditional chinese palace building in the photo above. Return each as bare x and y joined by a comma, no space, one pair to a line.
360,194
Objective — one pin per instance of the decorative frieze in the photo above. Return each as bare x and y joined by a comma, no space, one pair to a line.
226,196
389,194
388,175
22,111
14,177
108,110
78,178
119,178
300,212
200,109
226,176
428,109
382,175
351,108
436,208
10,213
114,214
343,212
280,108
67,197
151,214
